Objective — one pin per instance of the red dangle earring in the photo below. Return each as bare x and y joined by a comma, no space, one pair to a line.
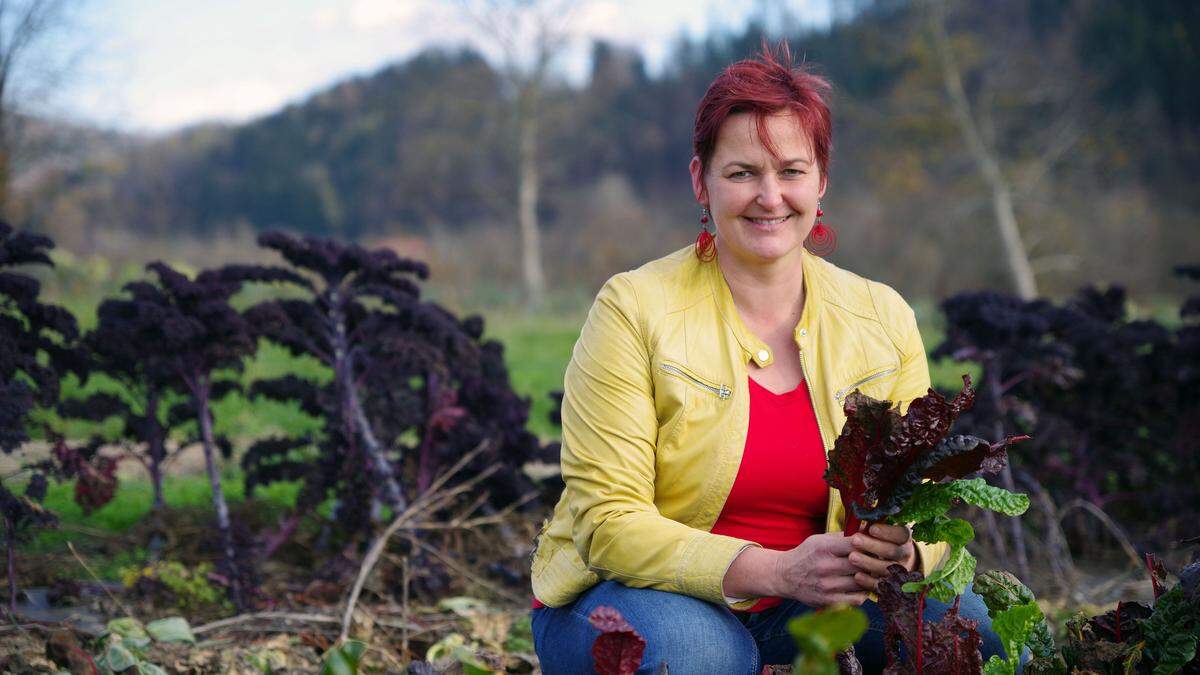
706,242
822,240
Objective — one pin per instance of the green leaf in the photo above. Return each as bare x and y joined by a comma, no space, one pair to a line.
828,630
463,606
118,658
997,666
343,660
949,580
1171,632
171,629
127,627
1001,590
930,500
954,531
821,634
147,668
1013,626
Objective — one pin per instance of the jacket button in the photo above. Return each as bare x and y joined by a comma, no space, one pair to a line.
763,355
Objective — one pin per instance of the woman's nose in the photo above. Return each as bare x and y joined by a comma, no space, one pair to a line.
769,194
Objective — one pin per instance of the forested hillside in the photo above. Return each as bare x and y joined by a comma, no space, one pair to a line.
1088,107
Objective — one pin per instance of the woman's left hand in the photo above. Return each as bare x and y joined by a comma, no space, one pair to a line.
877,547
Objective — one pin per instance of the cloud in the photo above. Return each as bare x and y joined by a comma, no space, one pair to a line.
227,100
386,14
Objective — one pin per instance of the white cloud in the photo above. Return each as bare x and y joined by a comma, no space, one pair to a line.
227,100
385,14
325,18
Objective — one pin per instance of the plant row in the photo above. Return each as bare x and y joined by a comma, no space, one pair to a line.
413,389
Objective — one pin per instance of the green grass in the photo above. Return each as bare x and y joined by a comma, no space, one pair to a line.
536,350
131,505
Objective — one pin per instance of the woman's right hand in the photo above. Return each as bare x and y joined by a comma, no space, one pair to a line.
818,572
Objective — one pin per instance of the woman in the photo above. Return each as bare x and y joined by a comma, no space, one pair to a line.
699,403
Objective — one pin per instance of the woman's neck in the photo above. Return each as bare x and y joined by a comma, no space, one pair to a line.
766,295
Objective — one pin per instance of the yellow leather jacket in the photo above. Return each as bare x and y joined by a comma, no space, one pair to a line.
656,408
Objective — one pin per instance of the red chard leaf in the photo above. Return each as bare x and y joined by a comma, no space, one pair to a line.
880,456
618,649
1122,624
948,646
1158,574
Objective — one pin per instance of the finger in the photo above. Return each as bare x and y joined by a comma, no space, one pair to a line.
873,566
896,534
838,544
839,584
832,566
886,550
856,598
866,582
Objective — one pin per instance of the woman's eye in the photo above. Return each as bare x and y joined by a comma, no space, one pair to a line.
793,172
739,174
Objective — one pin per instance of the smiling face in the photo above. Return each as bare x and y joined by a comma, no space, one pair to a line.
763,206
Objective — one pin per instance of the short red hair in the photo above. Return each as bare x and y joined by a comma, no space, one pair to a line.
768,84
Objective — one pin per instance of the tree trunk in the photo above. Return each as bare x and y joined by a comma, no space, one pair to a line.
527,197
10,544
985,161
218,495
158,452
354,418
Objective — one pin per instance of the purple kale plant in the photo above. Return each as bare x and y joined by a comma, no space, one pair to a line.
188,333
144,388
1112,402
413,388
37,347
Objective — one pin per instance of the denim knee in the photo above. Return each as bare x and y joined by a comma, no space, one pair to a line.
688,634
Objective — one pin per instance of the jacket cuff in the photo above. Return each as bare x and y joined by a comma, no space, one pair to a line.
706,559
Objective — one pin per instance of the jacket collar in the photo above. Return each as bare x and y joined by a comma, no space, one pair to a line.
752,347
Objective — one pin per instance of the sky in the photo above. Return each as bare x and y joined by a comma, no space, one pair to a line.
151,66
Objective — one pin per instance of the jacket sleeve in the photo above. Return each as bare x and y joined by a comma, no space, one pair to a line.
610,430
912,383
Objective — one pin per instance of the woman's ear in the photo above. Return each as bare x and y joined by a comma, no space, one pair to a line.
824,184
697,171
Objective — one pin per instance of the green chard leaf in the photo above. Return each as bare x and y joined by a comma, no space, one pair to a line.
1171,632
930,500
822,634
1000,591
950,579
1014,626
954,531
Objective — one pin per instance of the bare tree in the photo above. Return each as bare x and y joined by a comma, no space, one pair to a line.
529,35
23,23
986,160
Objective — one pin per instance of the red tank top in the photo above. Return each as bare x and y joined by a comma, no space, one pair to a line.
779,496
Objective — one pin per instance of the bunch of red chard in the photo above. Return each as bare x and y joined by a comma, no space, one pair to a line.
906,469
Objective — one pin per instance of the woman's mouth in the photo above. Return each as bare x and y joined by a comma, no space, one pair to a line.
767,222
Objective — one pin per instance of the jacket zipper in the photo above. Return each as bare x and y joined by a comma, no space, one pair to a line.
812,397
723,392
845,390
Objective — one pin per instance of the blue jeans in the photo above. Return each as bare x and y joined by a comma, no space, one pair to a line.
695,636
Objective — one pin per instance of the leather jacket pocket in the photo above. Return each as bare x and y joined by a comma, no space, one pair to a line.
707,385
869,381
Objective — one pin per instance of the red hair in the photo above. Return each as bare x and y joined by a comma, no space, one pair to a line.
768,84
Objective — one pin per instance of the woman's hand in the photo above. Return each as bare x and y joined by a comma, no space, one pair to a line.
878,547
818,572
